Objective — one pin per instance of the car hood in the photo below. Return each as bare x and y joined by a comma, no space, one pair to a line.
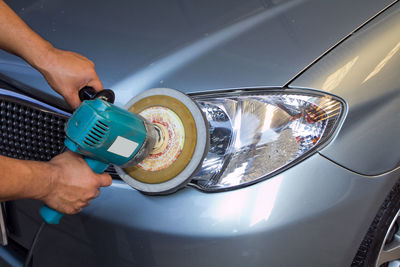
192,46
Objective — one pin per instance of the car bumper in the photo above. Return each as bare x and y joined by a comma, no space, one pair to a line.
314,214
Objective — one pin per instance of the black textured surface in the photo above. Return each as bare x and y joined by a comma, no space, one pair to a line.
369,249
28,131
32,132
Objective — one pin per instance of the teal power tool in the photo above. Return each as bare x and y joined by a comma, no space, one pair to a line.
106,134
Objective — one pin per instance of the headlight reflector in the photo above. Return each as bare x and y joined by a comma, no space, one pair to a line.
255,134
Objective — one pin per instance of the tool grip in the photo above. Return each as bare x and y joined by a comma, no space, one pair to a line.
52,216
96,166
89,93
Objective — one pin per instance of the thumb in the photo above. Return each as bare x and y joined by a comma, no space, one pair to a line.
73,100
96,84
104,179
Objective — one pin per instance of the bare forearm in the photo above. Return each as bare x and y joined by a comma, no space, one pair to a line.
23,179
65,183
65,71
18,38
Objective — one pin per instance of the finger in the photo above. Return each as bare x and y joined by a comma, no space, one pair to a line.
96,194
96,83
74,154
71,210
73,101
85,204
80,56
77,210
105,180
71,96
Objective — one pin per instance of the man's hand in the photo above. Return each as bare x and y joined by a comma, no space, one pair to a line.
73,184
66,183
67,72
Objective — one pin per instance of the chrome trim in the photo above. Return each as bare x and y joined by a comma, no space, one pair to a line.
3,233
7,256
32,100
390,253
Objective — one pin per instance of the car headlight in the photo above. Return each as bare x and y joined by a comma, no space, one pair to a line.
255,134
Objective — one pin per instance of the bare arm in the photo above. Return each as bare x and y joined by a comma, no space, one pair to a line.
66,183
65,71
17,38
23,179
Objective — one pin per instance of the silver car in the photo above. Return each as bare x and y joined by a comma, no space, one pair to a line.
303,104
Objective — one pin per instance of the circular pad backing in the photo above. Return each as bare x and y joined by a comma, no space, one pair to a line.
172,138
143,172
175,172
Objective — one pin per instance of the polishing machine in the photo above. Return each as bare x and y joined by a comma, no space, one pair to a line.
156,145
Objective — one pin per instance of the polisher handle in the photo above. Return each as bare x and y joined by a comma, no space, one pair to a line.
88,93
96,166
52,216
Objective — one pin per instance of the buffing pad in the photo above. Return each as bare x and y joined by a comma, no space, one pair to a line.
183,145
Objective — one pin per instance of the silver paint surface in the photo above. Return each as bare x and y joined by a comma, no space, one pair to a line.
313,214
191,46
364,70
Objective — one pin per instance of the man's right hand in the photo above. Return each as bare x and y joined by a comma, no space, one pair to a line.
66,183
72,183
68,72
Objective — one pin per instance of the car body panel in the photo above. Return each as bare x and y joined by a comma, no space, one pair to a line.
256,226
364,70
188,45
313,214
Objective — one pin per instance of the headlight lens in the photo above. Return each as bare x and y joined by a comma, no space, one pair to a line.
256,134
